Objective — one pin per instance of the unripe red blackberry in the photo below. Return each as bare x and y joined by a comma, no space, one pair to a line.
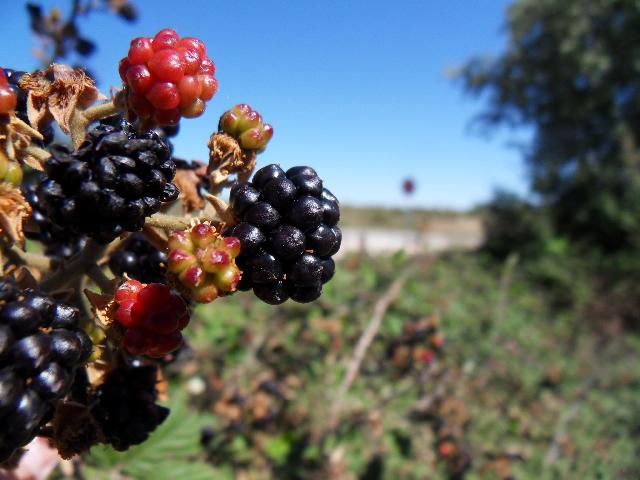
125,406
41,345
288,232
168,77
110,184
204,262
152,316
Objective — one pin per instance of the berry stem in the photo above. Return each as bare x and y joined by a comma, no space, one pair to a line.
154,237
96,274
171,222
81,263
20,257
222,209
80,119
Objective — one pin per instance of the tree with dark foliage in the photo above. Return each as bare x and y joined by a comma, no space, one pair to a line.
572,71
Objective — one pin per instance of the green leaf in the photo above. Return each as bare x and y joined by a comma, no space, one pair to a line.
165,455
278,448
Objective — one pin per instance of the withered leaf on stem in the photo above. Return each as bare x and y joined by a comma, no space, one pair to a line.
16,139
56,92
187,182
227,157
25,277
104,306
14,209
75,430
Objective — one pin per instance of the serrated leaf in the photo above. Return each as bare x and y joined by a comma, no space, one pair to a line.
165,455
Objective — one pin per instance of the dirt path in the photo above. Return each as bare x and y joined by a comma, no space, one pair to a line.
440,236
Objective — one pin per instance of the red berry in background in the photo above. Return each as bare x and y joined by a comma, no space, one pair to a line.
408,186
426,356
167,77
153,317
436,340
447,449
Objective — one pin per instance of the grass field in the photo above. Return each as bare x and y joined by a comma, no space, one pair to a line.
522,389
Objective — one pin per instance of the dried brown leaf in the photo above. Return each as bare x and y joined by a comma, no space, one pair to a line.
14,209
104,306
226,157
55,93
25,278
187,182
75,430
16,139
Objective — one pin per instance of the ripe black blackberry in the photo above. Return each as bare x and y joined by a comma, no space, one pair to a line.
139,260
124,406
13,77
115,179
288,231
41,345
57,241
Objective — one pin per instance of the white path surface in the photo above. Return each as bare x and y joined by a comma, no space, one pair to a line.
387,240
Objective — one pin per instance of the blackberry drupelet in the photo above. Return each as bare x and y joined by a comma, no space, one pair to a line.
57,241
288,233
139,260
13,77
125,406
115,179
41,345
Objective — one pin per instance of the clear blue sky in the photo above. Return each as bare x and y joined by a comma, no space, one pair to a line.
357,89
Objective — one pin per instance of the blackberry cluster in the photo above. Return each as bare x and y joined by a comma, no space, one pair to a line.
288,232
13,77
139,260
168,77
41,344
125,406
115,179
58,241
